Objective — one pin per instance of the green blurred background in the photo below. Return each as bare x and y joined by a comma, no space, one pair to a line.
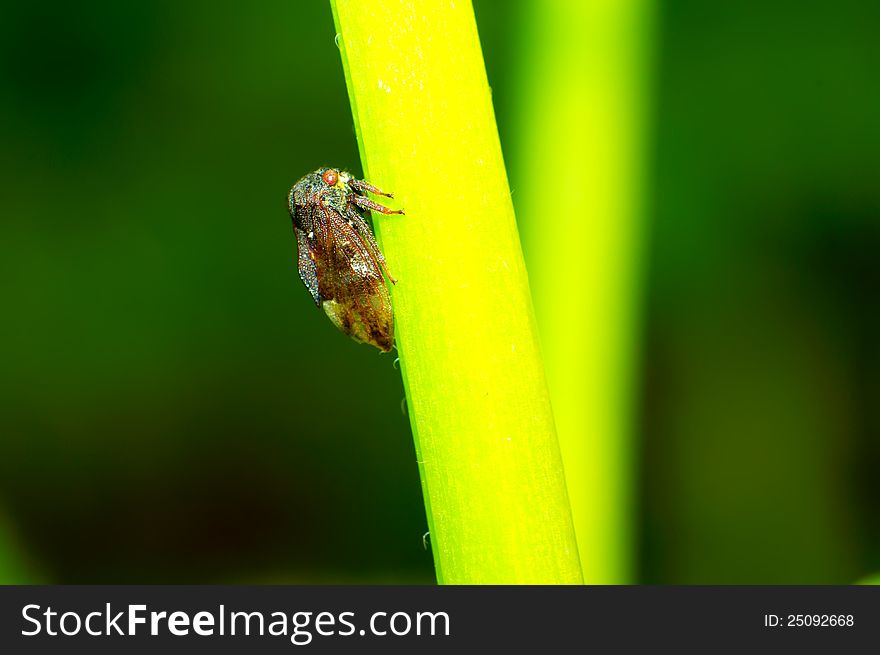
174,409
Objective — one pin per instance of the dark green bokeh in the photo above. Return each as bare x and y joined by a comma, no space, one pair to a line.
762,371
174,408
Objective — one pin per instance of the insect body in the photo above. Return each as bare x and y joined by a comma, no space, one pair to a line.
339,260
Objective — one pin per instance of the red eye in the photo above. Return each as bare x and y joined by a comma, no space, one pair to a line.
330,176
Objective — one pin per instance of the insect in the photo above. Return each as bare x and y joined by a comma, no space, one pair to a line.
339,260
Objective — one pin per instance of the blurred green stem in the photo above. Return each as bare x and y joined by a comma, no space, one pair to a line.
581,130
485,439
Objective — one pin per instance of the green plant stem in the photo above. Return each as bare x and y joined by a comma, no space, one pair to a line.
485,439
581,124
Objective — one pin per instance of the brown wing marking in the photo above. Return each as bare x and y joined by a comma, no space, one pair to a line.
352,287
369,240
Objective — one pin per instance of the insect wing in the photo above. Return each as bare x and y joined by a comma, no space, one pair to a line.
307,270
351,285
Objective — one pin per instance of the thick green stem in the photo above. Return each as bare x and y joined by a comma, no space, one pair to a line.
486,444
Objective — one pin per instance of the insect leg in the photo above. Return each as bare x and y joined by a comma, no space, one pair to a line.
363,185
365,203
